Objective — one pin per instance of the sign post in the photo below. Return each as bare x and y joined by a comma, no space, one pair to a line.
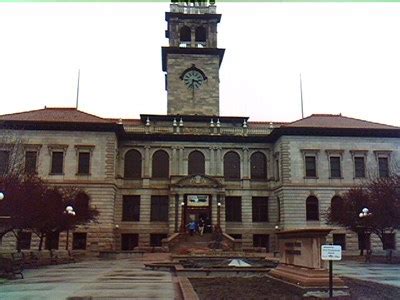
331,253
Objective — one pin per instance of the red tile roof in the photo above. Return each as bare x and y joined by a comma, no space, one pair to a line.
336,121
55,114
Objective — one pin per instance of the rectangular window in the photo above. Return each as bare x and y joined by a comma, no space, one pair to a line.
52,240
159,208
131,208
389,241
30,162
340,239
311,166
364,241
57,162
24,240
79,241
156,239
260,209
4,161
129,241
84,163
233,209
335,166
261,240
359,167
383,163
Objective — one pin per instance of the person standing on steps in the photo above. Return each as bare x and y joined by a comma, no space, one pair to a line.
192,227
201,226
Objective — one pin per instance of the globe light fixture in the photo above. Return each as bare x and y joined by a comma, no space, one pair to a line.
1,196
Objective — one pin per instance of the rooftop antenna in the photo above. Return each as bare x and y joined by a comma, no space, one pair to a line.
301,97
77,89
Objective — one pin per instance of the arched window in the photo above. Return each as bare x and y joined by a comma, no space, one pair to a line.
201,34
258,166
81,204
336,207
133,164
196,163
160,167
185,35
312,210
231,166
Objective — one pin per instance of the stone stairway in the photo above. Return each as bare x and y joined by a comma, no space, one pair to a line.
193,242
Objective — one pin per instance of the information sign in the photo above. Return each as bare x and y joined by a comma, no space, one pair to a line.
331,252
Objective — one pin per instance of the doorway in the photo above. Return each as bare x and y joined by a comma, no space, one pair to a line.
198,207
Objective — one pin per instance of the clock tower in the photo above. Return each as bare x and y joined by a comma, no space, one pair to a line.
192,59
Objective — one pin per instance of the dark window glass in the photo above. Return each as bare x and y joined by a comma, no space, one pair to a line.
129,241
84,163
258,166
24,240
4,161
156,239
30,162
79,241
261,240
311,166
312,211
340,239
336,207
196,163
52,240
389,241
81,204
233,209
131,208
159,208
185,34
383,167
260,209
57,161
335,167
236,236
160,167
364,241
231,166
133,164
201,34
359,167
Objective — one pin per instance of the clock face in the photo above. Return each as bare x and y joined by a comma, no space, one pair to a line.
193,79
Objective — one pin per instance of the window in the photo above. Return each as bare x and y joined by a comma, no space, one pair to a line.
81,204
383,164
131,208
57,162
83,163
30,162
231,166
261,240
336,207
258,166
364,241
260,209
359,167
201,34
233,209
335,166
159,208
339,239
196,163
52,240
185,34
311,166
312,211
79,241
133,165
156,239
129,241
4,161
389,241
160,167
24,240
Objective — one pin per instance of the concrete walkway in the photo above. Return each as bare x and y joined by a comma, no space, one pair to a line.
380,273
103,279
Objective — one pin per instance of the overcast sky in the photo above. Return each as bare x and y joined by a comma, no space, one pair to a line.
348,55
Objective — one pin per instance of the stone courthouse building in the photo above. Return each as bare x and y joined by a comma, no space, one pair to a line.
149,177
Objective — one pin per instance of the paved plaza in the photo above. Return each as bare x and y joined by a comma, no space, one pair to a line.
100,279
380,273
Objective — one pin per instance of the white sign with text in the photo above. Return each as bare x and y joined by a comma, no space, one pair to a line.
331,252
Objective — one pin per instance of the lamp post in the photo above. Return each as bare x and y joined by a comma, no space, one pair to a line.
363,215
183,217
219,214
69,212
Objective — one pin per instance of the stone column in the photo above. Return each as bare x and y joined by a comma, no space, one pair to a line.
146,170
180,164
219,162
174,169
245,164
211,169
